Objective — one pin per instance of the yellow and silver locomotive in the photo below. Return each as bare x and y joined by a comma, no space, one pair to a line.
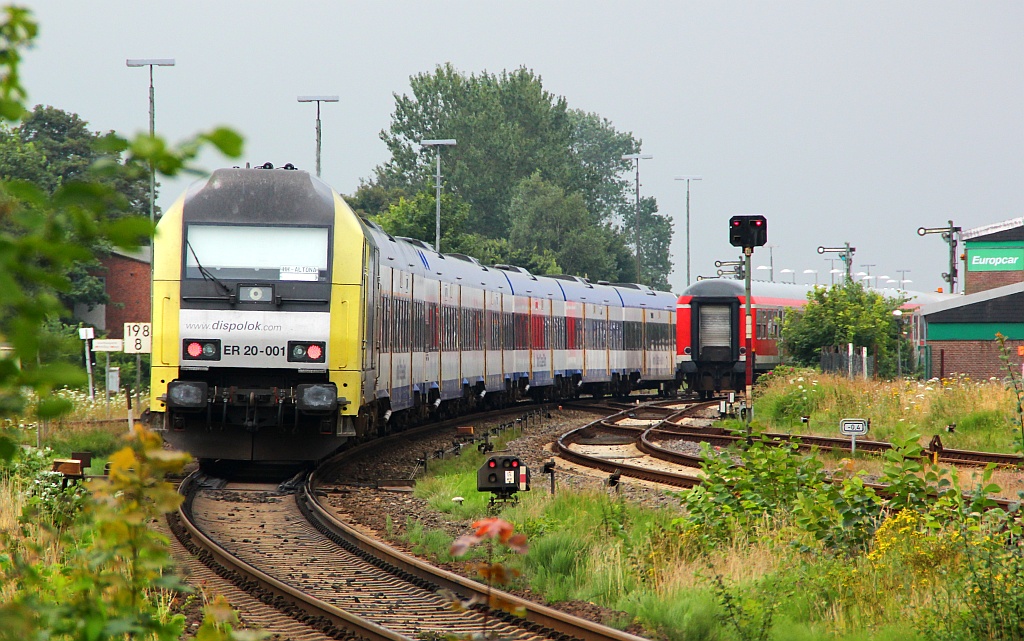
284,325
260,315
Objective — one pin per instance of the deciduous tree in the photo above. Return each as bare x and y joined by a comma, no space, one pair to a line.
842,314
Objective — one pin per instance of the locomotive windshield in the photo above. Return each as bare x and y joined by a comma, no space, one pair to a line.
241,252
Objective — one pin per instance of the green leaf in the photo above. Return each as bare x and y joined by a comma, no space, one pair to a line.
128,232
7,448
228,141
53,407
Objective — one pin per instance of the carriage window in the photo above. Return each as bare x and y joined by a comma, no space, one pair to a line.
243,252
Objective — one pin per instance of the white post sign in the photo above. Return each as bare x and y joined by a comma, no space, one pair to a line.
138,338
854,427
107,345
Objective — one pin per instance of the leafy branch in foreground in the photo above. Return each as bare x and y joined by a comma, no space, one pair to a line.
43,234
489,531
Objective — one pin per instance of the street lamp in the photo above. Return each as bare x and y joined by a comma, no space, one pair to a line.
637,158
789,271
151,62
318,100
688,179
815,272
898,315
832,274
771,277
447,142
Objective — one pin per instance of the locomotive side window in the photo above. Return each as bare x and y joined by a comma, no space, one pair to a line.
244,252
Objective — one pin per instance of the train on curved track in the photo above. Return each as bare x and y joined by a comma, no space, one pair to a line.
286,326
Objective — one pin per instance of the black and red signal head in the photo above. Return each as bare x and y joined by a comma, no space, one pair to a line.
307,352
748,231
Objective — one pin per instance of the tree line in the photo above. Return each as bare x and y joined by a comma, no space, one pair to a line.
530,182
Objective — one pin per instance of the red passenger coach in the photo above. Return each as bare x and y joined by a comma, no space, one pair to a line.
711,328
711,352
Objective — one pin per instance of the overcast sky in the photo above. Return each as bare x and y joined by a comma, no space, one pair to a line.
838,121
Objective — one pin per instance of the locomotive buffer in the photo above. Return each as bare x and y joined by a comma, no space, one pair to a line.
503,476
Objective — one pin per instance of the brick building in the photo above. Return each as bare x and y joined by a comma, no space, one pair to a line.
961,332
993,256
127,283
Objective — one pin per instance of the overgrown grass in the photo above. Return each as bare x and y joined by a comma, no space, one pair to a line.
771,550
983,412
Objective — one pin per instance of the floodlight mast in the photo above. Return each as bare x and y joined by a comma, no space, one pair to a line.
637,158
318,100
949,234
688,179
151,62
437,144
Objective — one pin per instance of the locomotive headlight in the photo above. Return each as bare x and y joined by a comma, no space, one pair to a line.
256,293
186,395
317,397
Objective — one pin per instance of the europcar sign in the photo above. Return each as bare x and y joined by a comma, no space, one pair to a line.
995,260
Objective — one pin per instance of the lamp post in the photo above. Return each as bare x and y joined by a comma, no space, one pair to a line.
771,277
898,315
151,62
317,100
789,271
437,144
637,158
815,272
687,179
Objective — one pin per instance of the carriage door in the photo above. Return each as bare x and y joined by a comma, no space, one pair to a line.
714,333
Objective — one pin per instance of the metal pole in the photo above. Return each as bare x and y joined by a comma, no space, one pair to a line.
437,201
637,220
899,351
106,385
687,232
952,258
747,251
317,138
849,262
88,368
152,168
138,379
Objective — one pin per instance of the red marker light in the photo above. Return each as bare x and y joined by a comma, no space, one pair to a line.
314,352
195,350
492,463
515,462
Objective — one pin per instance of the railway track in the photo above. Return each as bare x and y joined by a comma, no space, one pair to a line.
647,428
286,547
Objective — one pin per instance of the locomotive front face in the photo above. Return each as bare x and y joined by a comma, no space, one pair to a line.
244,284
276,312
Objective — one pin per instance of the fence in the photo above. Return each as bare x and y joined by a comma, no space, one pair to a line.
847,361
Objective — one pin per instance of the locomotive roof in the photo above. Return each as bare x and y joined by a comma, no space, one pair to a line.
259,196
